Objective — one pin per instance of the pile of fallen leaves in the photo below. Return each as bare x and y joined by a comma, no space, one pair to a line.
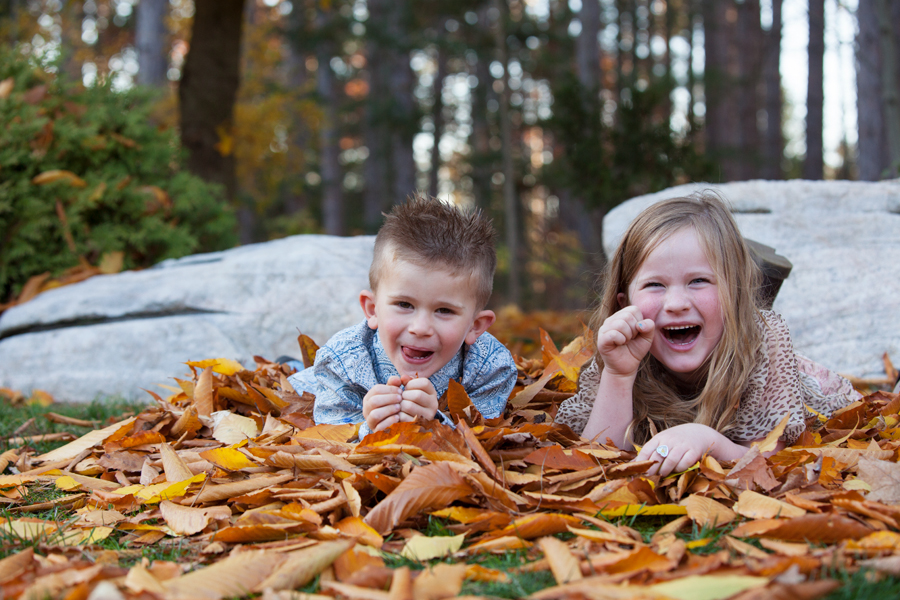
232,468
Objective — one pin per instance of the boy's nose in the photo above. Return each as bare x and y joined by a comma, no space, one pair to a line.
420,323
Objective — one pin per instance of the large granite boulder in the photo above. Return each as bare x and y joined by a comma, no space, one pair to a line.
842,298
113,335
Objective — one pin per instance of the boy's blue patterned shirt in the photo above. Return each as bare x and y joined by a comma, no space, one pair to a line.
353,361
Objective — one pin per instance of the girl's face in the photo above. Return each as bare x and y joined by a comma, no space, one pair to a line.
677,288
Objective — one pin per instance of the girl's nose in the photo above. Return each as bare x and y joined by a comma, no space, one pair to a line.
676,300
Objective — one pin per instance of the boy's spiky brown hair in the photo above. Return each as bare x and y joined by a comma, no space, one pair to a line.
432,233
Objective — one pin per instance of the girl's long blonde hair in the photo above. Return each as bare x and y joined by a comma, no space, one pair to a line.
659,398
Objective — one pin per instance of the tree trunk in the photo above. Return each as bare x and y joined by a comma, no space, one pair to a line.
774,139
510,200
587,49
208,90
480,140
151,40
403,110
813,164
889,85
375,130
750,43
437,118
872,144
332,193
722,129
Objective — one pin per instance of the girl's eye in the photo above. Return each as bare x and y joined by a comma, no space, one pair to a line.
700,280
652,284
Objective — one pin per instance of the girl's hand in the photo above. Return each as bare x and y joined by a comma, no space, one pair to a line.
686,444
623,341
381,405
419,399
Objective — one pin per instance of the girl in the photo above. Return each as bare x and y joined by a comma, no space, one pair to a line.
686,362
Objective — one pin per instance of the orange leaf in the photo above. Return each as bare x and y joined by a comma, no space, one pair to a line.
55,175
563,564
426,487
554,457
204,393
356,527
828,528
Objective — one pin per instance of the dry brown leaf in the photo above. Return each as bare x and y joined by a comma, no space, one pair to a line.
563,564
85,442
756,506
14,565
186,520
428,486
884,479
232,577
204,394
140,580
174,467
828,528
301,566
706,512
440,581
223,491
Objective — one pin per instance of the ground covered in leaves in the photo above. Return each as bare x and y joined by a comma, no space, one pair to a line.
227,489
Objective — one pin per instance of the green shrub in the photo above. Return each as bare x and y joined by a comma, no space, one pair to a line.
85,172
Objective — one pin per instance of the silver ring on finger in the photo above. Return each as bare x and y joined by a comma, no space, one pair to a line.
662,450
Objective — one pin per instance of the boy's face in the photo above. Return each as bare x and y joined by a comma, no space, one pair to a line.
424,315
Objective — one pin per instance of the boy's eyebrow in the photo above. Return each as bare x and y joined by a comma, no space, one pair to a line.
405,298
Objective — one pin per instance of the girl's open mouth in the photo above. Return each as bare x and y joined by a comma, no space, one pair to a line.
416,355
682,335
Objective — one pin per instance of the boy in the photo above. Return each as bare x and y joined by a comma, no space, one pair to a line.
425,323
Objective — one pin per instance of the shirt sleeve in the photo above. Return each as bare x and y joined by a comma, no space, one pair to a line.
489,375
780,385
576,411
338,400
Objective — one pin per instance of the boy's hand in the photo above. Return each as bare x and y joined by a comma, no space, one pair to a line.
381,405
419,399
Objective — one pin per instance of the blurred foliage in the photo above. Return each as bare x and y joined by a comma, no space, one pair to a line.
637,154
84,172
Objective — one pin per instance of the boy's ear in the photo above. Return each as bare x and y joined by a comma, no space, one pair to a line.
483,320
367,302
621,298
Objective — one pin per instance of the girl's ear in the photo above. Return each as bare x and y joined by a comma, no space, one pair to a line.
367,302
483,320
621,298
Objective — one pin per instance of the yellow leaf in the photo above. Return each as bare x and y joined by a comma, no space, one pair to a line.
96,534
228,458
698,543
151,494
223,366
66,483
707,587
631,510
55,175
422,547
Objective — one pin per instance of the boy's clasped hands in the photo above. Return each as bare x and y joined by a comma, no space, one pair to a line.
400,399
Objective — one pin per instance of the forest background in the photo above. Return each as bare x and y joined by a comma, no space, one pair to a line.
314,116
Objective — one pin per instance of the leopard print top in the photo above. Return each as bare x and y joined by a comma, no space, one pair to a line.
782,381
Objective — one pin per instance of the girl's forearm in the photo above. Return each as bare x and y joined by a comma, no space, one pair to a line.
613,410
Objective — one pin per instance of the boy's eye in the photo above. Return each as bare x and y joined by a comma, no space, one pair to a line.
404,305
445,311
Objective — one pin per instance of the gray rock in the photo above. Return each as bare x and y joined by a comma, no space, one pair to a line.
842,299
113,335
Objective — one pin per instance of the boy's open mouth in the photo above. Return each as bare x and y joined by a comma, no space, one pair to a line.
682,335
416,354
